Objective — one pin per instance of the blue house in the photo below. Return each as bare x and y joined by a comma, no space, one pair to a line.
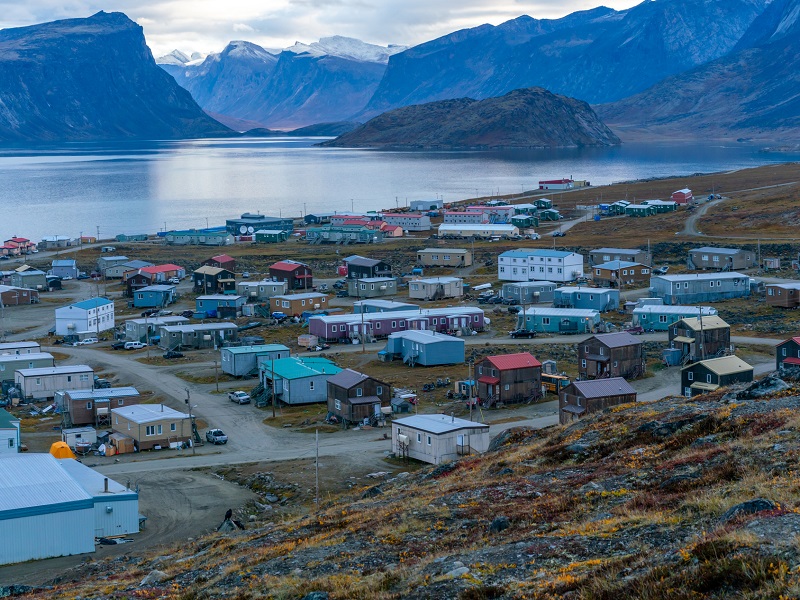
64,268
426,348
376,306
220,305
559,320
694,288
659,317
601,299
154,296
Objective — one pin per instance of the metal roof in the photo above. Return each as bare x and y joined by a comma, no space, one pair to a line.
157,288
63,370
435,280
304,296
199,327
362,261
399,315
347,378
34,480
676,309
617,250
158,320
18,345
437,424
424,337
91,303
377,302
700,276
527,284
725,365
120,392
712,322
374,279
256,349
526,252
615,265
222,258
208,270
31,356
287,265
220,297
473,227
64,263
93,482
521,360
148,413
7,420
600,388
573,289
135,264
560,312
713,250
619,339
299,368
443,251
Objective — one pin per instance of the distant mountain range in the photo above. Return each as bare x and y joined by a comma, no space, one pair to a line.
95,78
529,118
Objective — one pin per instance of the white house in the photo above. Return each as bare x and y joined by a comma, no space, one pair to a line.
9,433
42,383
438,438
528,264
408,221
88,316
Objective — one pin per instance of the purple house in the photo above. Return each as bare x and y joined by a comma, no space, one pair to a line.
334,328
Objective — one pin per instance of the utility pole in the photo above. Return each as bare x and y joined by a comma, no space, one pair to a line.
216,375
191,420
469,385
316,467
272,371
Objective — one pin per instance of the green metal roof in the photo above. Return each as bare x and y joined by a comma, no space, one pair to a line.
299,368
7,421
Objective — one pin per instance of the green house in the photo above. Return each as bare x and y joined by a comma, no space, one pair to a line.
640,210
525,221
662,206
271,236
550,214
138,237
543,203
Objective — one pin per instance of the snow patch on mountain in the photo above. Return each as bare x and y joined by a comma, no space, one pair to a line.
349,48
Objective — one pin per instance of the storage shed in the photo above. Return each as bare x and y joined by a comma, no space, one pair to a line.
438,438
240,361
426,348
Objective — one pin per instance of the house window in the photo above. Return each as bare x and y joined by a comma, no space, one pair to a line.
69,378
645,271
662,318
507,387
708,378
150,430
710,284
10,442
38,381
783,351
402,323
429,440
379,390
84,377
337,404
690,376
88,406
597,271
159,430
419,438
173,427
583,363
311,385
359,392
377,325
615,363
601,351
545,320
334,328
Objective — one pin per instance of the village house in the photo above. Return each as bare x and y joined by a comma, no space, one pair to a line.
8,250
634,255
558,320
436,288
700,338
376,306
21,244
135,280
87,316
495,213
354,397
662,206
509,379
424,348
465,217
640,210
359,267
372,287
709,375
155,296
683,196
581,398
484,231
152,426
783,295
619,273
721,259
695,288
199,237
787,354
408,221
658,317
92,407
52,242
439,438
425,205
17,296
297,275
220,306
344,234
529,264
44,382
242,361
31,279
445,257
213,280
20,348
197,336
106,262
298,380
9,363
599,299
249,223
260,291
221,261
141,330
163,273
611,355
271,236
132,266
297,304
557,184
64,268
9,434
529,292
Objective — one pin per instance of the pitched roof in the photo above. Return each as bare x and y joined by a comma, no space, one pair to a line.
287,265
438,423
617,340
615,265
32,480
713,250
222,258
347,378
617,251
147,413
298,368
67,262
364,262
600,388
161,268
7,420
713,322
92,303
207,270
522,360
725,365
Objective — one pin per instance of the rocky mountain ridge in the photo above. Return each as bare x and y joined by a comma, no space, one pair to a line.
529,118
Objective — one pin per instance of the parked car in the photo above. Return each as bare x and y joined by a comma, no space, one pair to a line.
522,333
163,313
83,276
323,287
150,312
101,384
319,347
239,397
135,345
118,345
86,341
342,294
246,275
514,310
559,233
216,436
66,277
280,317
169,354
187,314
175,280
533,236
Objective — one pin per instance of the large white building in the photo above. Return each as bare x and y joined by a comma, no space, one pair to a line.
88,316
528,264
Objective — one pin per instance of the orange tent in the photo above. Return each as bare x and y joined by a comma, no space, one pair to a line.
61,450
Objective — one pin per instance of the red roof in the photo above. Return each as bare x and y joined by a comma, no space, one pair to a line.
409,215
355,222
791,360
160,269
19,240
221,258
523,360
489,380
386,227
283,265
555,181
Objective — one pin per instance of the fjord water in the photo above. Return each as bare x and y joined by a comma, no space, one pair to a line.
145,187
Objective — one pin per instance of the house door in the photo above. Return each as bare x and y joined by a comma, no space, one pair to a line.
599,368
377,408
687,392
497,391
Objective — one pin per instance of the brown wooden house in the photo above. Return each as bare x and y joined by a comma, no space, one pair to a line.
221,261
787,354
700,339
296,274
354,397
509,378
136,280
615,273
213,280
580,398
93,407
783,295
611,355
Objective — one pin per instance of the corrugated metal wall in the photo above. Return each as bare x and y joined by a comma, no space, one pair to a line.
46,536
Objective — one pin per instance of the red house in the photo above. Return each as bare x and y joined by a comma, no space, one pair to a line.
222,261
162,273
298,275
509,378
24,245
556,184
683,196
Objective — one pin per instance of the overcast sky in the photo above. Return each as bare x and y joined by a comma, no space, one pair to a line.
207,25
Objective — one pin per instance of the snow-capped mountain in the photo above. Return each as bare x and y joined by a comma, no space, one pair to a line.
349,48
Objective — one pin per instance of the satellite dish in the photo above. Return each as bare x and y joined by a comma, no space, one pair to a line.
250,230
243,229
